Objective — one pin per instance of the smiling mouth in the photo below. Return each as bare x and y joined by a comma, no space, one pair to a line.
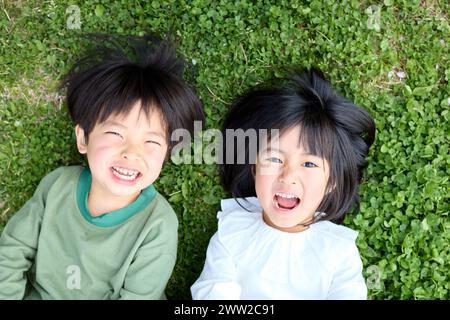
286,201
126,174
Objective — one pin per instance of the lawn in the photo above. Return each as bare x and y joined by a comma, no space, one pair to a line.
391,57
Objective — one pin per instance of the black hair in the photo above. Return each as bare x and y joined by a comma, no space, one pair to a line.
332,127
117,71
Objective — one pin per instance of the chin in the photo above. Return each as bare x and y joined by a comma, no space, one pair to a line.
125,193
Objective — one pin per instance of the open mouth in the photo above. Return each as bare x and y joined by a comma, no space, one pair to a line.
126,174
286,201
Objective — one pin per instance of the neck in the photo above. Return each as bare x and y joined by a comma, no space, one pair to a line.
99,202
294,229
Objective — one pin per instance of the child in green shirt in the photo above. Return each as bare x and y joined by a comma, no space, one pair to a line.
103,231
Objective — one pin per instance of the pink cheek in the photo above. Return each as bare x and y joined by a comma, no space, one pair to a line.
157,164
99,155
263,186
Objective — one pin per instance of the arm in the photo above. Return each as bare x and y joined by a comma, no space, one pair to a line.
153,264
348,282
218,278
18,244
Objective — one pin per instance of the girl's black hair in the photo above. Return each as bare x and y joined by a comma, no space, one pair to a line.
118,71
332,127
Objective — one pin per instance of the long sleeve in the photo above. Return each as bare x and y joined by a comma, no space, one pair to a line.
348,281
18,244
153,263
218,278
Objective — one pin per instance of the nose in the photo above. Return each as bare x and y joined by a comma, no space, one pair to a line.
288,175
131,152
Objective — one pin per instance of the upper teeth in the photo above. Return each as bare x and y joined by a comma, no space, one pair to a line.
284,195
126,172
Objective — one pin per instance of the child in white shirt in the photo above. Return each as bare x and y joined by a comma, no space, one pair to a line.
280,238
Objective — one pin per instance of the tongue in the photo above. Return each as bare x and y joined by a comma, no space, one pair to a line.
286,203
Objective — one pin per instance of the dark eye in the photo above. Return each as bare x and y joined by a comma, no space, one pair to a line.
114,133
153,142
274,159
309,164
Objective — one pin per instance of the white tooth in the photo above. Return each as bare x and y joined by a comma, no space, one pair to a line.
287,196
125,177
126,172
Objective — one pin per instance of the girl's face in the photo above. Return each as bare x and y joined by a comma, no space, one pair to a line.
125,154
290,183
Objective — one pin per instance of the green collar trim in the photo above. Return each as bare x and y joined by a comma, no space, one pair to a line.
114,218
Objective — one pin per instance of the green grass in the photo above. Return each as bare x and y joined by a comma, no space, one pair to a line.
391,57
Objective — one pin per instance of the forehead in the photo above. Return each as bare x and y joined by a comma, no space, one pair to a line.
286,140
136,117
298,140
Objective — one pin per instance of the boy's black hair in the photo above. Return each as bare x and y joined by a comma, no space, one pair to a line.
331,127
121,70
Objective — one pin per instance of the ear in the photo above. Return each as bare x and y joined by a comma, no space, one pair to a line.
81,140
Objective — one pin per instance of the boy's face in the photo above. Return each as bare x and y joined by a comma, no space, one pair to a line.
125,153
290,183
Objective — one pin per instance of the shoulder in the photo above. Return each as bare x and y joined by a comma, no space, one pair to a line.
161,218
334,241
335,232
163,210
238,214
157,225
67,172
238,222
237,204
58,179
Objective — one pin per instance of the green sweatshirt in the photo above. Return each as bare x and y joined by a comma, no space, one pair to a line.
54,249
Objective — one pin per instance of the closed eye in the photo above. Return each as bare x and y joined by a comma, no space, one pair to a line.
309,164
114,133
153,142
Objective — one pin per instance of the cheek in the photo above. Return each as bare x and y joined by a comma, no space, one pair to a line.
98,154
316,188
155,161
263,186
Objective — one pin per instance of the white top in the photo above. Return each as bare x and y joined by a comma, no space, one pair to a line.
247,259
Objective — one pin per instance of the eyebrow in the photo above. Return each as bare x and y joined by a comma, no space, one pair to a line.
117,124
282,152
